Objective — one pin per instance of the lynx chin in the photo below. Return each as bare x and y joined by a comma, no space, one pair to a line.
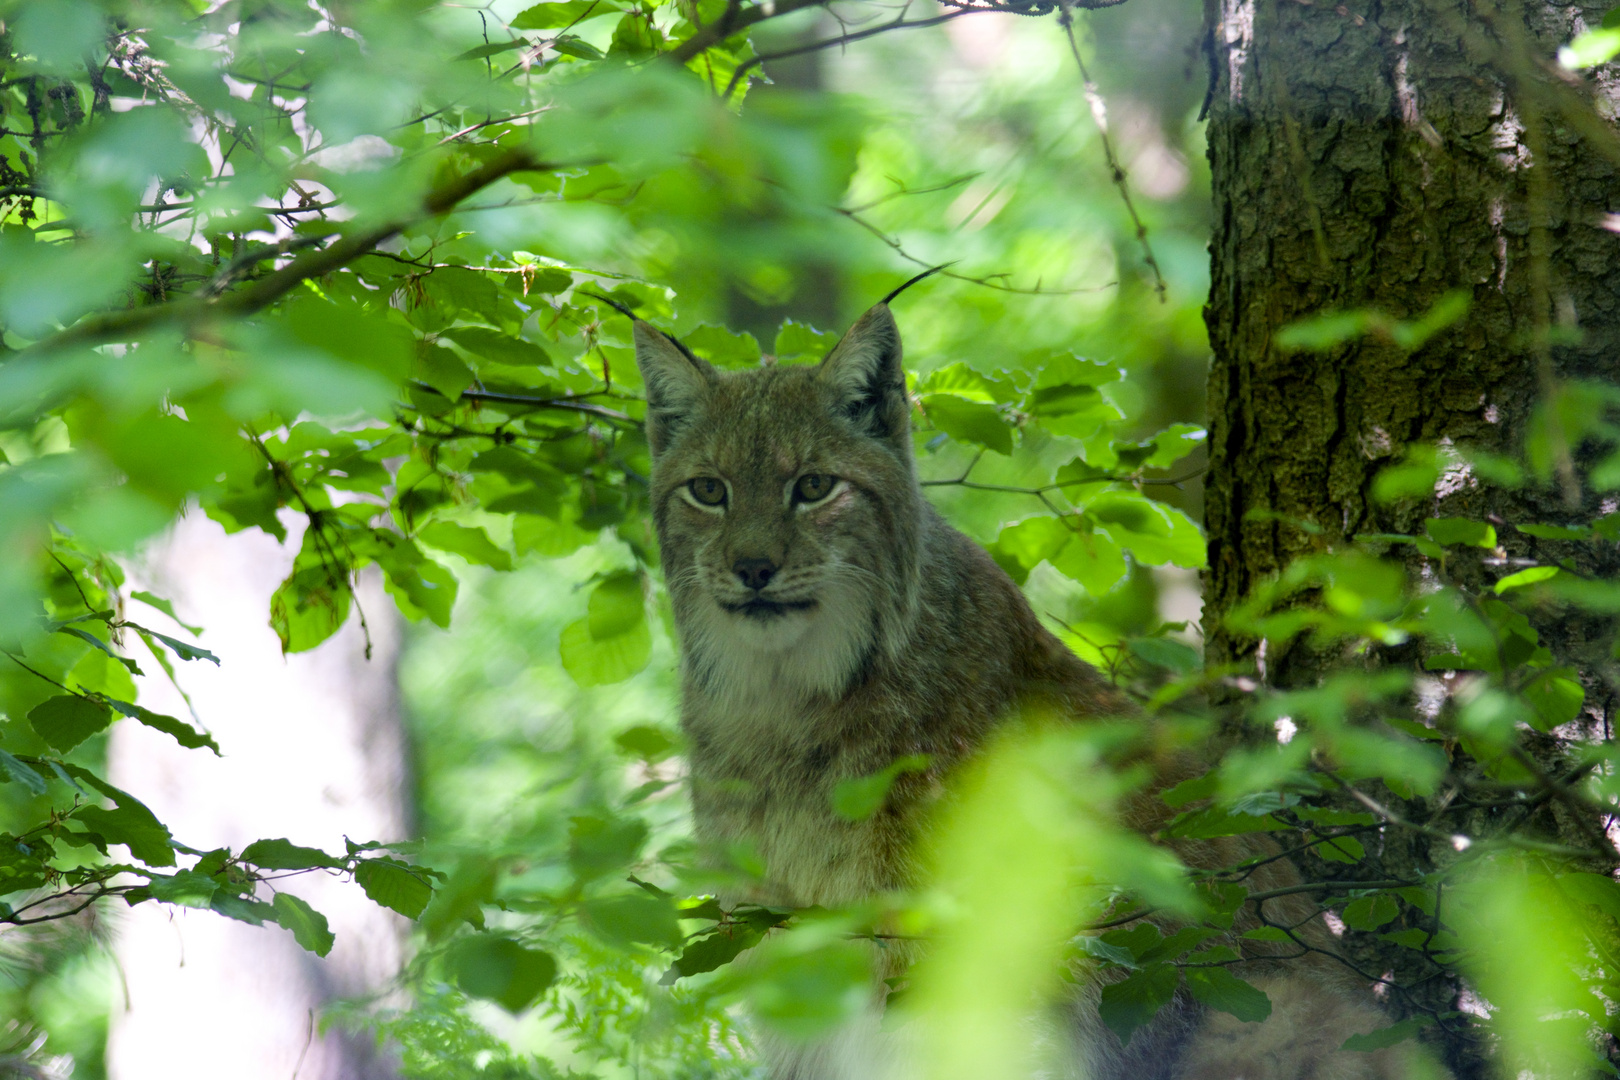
830,623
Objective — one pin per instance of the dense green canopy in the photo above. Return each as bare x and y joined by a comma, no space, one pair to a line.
349,274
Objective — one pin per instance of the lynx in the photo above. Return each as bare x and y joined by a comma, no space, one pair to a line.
831,622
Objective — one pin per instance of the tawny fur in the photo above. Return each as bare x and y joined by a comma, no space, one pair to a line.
891,634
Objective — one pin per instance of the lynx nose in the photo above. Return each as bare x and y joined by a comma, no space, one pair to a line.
755,573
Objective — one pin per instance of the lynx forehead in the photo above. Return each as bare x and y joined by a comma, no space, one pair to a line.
787,511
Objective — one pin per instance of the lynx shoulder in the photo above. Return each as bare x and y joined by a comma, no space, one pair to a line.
831,622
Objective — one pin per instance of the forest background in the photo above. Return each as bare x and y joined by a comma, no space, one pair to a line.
333,274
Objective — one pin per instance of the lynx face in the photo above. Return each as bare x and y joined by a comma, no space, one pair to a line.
787,511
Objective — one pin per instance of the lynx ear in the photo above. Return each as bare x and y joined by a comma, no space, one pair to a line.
677,383
864,370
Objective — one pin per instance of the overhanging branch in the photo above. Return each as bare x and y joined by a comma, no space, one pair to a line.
191,310
733,22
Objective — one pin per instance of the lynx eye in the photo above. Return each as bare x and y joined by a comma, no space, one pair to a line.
708,490
813,487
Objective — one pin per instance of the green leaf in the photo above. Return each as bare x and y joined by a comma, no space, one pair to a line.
646,742
1333,328
722,348
67,720
499,969
307,608
1341,849
19,773
1448,531
1198,787
1174,443
1591,48
859,798
1152,531
425,588
1528,576
1268,933
104,648
550,16
134,826
1599,890
179,648
798,342
1556,532
1322,332
634,917
617,606
462,898
1093,559
1556,695
1021,547
591,661
575,46
182,732
598,844
186,888
803,992
1166,653
1213,821
308,926
443,370
502,348
1218,988
974,422
394,886
961,381
710,952
242,909
1389,1036
1098,949
1132,1002
1370,912
494,48
474,545
282,854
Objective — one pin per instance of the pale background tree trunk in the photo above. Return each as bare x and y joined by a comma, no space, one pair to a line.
313,751
1377,155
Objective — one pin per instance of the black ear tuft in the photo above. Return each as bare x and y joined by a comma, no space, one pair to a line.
677,383
865,372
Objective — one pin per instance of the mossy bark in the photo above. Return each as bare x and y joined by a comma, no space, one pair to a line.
1378,155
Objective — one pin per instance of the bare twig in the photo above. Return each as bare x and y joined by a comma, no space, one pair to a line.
1066,20
191,311
899,22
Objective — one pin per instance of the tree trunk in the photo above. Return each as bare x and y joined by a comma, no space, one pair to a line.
314,750
1377,156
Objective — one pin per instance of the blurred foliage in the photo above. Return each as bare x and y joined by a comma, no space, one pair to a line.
333,272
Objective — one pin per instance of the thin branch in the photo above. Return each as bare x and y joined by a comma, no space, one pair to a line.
897,23
962,481
570,404
988,281
190,311
734,21
1066,20
902,191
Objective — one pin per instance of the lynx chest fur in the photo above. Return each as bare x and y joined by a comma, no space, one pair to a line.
831,622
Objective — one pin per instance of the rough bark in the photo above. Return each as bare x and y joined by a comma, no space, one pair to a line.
1377,155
